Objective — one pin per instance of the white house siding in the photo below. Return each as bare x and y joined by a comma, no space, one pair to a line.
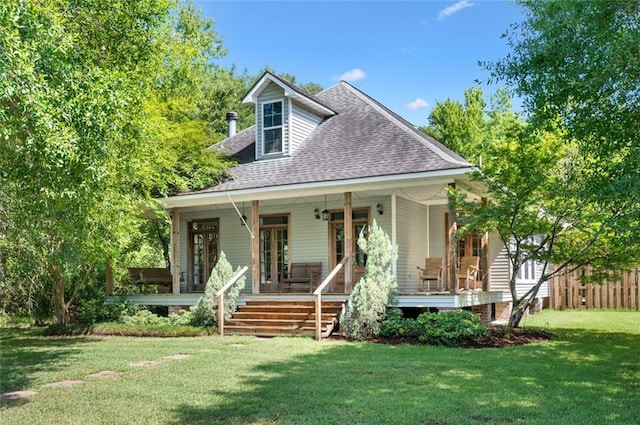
500,271
302,124
411,224
437,231
499,266
272,93
308,238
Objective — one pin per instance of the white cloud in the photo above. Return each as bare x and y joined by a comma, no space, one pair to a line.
448,11
353,75
416,104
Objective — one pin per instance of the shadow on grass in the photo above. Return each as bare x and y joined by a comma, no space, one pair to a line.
25,352
579,378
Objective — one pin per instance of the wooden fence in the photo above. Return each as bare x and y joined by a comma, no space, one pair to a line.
568,292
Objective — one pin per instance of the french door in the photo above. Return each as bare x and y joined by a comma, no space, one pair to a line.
274,250
360,225
203,252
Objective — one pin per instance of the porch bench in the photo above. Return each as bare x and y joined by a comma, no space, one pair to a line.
306,275
152,276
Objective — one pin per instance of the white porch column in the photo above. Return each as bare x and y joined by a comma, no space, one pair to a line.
175,251
394,232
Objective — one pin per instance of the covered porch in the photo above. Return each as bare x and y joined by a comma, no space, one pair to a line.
283,236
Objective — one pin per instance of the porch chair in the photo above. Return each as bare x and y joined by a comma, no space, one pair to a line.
432,271
468,271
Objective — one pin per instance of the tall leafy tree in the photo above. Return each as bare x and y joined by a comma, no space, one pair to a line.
96,97
535,183
578,62
460,126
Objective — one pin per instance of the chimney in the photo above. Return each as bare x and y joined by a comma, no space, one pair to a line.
232,119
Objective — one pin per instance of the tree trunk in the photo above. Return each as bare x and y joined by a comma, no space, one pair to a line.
61,313
518,311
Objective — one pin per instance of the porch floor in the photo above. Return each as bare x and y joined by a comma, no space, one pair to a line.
417,299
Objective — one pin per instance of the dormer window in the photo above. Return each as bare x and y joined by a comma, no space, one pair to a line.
272,128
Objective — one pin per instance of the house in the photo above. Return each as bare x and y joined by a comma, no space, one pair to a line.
311,175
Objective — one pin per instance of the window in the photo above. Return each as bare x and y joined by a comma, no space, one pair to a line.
527,272
272,128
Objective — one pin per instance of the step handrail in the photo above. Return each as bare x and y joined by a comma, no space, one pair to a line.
318,295
225,288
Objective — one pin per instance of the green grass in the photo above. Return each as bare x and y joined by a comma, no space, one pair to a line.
587,374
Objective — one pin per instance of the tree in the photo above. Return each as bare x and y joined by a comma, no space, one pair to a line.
535,203
94,118
376,289
578,61
460,127
575,66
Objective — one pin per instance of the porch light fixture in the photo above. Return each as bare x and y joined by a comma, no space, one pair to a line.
316,213
325,211
379,208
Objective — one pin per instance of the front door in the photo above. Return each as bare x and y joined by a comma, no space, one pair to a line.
203,252
360,223
274,250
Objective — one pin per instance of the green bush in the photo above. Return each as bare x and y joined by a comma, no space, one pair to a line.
144,318
451,329
94,310
183,318
395,325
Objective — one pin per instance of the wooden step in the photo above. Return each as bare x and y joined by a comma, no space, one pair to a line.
283,318
276,322
280,315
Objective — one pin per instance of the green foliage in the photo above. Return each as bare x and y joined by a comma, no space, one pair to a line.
205,311
450,329
575,63
395,325
143,318
460,127
376,289
95,118
94,310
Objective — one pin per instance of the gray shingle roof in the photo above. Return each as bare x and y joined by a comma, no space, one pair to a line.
364,139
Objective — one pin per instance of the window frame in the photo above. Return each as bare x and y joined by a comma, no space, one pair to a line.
266,128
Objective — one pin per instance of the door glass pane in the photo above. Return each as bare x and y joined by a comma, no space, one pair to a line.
198,259
265,256
339,243
361,257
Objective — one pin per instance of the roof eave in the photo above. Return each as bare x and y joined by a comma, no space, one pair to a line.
314,188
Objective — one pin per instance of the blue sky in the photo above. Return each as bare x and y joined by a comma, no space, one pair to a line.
405,54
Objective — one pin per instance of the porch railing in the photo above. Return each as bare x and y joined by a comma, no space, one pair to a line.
225,288
318,294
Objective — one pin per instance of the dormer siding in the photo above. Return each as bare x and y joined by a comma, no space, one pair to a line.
297,122
303,122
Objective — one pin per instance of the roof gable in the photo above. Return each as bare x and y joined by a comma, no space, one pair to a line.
290,91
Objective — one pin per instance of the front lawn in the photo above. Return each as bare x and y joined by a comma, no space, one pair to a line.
583,375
